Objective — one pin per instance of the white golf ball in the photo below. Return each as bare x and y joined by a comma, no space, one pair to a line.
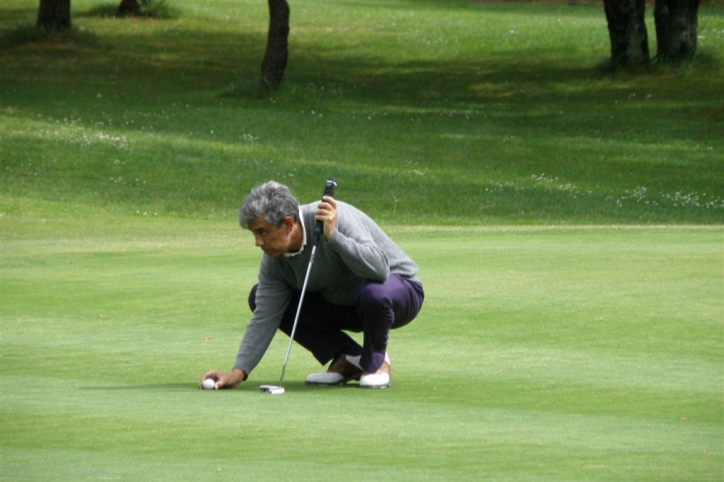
208,384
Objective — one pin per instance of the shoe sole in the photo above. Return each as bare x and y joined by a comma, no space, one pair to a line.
375,387
340,383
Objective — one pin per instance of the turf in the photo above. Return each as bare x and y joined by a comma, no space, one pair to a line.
541,354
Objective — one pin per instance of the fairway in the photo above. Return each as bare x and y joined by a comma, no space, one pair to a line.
541,354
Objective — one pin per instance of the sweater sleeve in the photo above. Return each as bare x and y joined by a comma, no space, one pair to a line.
272,298
355,243
361,255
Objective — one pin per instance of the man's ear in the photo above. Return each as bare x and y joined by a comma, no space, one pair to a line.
288,223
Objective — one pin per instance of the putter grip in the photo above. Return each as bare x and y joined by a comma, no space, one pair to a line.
329,189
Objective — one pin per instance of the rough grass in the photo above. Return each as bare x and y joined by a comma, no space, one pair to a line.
426,112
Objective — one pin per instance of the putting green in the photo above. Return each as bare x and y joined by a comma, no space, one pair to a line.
566,353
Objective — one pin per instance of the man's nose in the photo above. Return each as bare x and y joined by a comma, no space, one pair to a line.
259,241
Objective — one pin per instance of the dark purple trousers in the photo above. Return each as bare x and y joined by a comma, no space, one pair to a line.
379,308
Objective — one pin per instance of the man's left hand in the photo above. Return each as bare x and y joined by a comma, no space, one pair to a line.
327,213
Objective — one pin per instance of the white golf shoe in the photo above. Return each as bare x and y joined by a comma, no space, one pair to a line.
378,379
342,370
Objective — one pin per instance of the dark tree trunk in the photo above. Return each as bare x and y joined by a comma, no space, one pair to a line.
128,8
627,31
676,29
277,50
54,15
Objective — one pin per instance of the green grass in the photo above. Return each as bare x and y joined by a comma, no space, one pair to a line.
567,223
428,112
541,354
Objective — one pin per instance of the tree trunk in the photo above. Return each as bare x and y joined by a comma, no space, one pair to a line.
275,57
676,29
128,7
54,15
627,31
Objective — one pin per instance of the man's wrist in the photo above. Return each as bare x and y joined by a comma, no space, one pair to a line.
239,374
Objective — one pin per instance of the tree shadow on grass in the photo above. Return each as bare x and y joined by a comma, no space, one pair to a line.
227,64
530,93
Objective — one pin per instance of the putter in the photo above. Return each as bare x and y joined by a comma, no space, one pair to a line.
329,188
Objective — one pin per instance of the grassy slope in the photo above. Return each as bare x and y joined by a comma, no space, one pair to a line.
426,112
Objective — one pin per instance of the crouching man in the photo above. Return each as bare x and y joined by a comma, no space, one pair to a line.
360,281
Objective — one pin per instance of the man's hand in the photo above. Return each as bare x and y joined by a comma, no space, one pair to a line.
327,213
223,379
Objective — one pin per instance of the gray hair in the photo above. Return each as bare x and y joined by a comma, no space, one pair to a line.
272,200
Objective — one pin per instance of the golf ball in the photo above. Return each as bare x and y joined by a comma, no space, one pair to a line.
208,384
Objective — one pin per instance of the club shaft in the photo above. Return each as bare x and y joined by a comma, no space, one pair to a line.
299,310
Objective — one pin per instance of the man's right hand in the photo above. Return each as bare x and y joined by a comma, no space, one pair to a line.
223,379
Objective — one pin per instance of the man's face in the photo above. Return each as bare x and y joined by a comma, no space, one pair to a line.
274,241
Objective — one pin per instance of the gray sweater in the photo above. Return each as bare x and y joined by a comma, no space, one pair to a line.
357,252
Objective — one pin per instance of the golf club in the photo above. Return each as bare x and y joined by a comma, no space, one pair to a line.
329,188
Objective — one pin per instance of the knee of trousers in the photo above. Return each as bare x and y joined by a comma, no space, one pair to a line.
373,299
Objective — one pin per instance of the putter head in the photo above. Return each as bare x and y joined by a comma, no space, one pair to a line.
272,389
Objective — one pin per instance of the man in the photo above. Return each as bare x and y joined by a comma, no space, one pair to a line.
361,281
